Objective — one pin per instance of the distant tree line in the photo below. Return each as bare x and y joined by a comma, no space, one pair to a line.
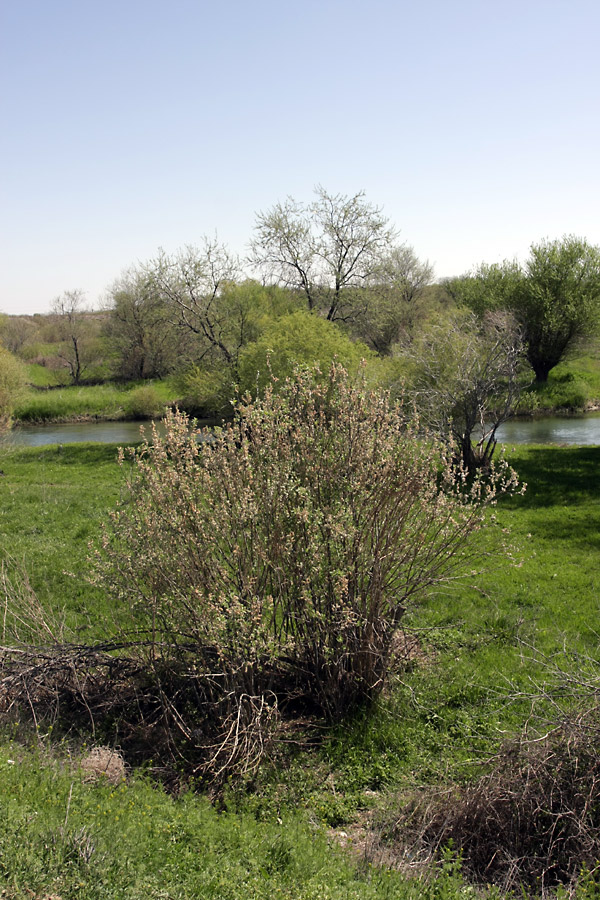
322,280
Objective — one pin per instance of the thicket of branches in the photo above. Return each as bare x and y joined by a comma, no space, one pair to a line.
531,822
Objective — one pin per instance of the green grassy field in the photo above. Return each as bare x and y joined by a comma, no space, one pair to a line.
444,712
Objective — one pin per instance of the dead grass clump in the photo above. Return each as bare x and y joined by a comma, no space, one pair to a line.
532,821
103,762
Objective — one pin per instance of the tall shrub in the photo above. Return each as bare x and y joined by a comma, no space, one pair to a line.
279,556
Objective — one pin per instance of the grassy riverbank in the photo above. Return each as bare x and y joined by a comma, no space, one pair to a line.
109,401
445,712
573,386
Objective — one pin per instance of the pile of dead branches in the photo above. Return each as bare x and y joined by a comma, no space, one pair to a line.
112,693
175,705
532,821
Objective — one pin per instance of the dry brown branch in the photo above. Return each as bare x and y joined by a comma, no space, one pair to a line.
191,721
533,820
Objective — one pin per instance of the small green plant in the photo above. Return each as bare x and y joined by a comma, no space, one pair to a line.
207,391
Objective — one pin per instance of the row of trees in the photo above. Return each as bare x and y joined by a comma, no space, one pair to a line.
337,257
333,280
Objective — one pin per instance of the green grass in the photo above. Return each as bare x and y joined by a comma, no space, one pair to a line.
441,716
41,376
107,401
61,836
53,500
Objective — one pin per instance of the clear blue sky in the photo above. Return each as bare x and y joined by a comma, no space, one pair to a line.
129,125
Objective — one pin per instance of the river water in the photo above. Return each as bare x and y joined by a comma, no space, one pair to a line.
546,430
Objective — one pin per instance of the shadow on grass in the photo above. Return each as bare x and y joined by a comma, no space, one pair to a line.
556,476
79,454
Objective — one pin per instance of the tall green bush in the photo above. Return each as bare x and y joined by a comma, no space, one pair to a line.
297,339
144,403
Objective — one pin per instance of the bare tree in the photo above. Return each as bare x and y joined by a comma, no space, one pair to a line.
393,298
15,331
139,330
325,249
403,271
69,312
465,379
191,282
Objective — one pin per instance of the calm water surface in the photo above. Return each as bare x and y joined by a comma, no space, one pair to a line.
548,430
98,432
552,430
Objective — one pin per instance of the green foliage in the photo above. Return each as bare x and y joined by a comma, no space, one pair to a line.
142,340
12,384
555,297
208,391
394,301
489,288
279,344
297,339
42,376
561,302
143,402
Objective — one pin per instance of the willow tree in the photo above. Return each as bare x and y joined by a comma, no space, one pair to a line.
554,296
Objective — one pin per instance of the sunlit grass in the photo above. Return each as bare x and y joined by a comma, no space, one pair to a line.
60,836
573,385
53,499
108,401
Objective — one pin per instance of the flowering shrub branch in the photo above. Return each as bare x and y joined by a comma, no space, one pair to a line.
283,552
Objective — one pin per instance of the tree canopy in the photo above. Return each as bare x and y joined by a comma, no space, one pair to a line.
554,296
323,249
560,304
